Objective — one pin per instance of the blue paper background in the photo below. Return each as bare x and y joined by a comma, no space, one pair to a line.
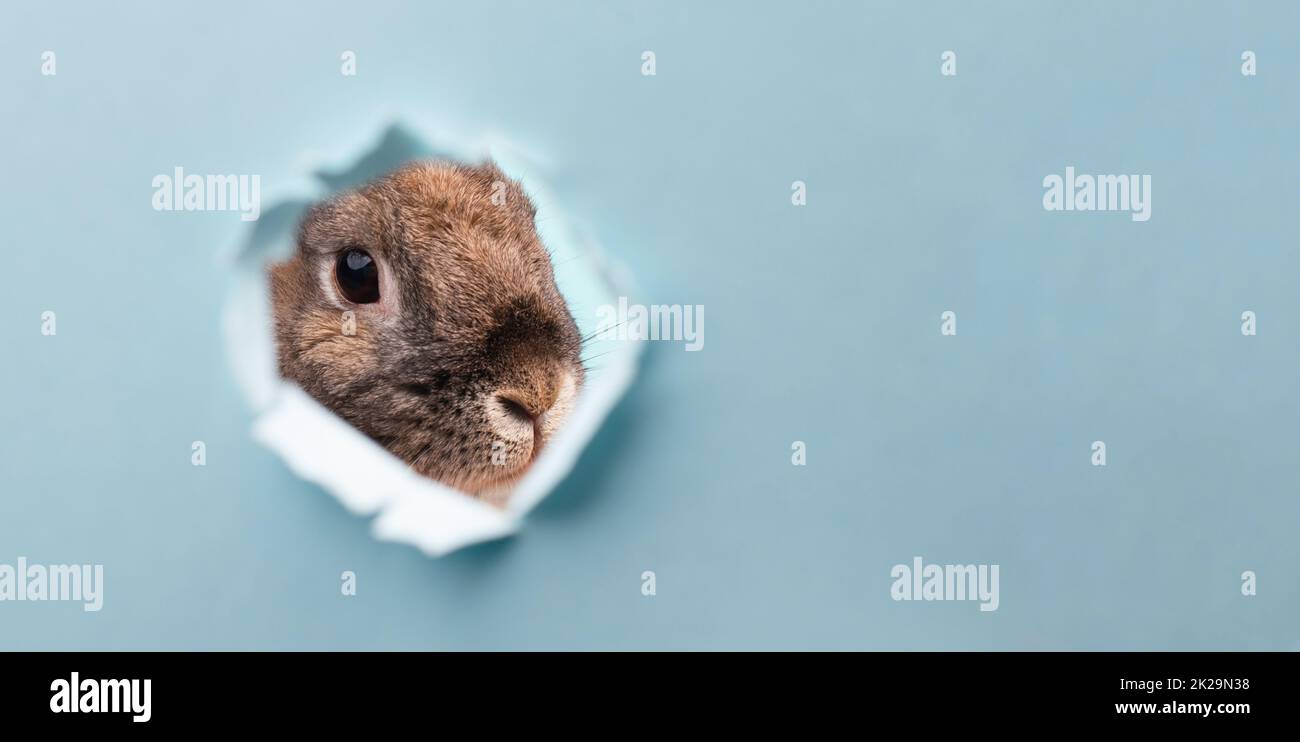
821,323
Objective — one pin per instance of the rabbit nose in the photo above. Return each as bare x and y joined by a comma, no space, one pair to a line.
516,409
526,405
528,402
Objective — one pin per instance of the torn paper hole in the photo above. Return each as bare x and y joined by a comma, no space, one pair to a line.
321,447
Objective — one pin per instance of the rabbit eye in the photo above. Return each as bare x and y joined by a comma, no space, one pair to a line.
358,276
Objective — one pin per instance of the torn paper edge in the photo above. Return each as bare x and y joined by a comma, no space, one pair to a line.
320,447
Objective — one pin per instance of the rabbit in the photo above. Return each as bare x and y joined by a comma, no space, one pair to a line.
422,308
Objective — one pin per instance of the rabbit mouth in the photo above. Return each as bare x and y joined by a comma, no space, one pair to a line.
495,482
514,429
521,423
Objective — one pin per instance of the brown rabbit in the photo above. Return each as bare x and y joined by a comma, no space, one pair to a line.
422,309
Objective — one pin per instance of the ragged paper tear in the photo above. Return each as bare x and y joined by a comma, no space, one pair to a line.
321,447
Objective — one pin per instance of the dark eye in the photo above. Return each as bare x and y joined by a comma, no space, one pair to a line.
358,276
